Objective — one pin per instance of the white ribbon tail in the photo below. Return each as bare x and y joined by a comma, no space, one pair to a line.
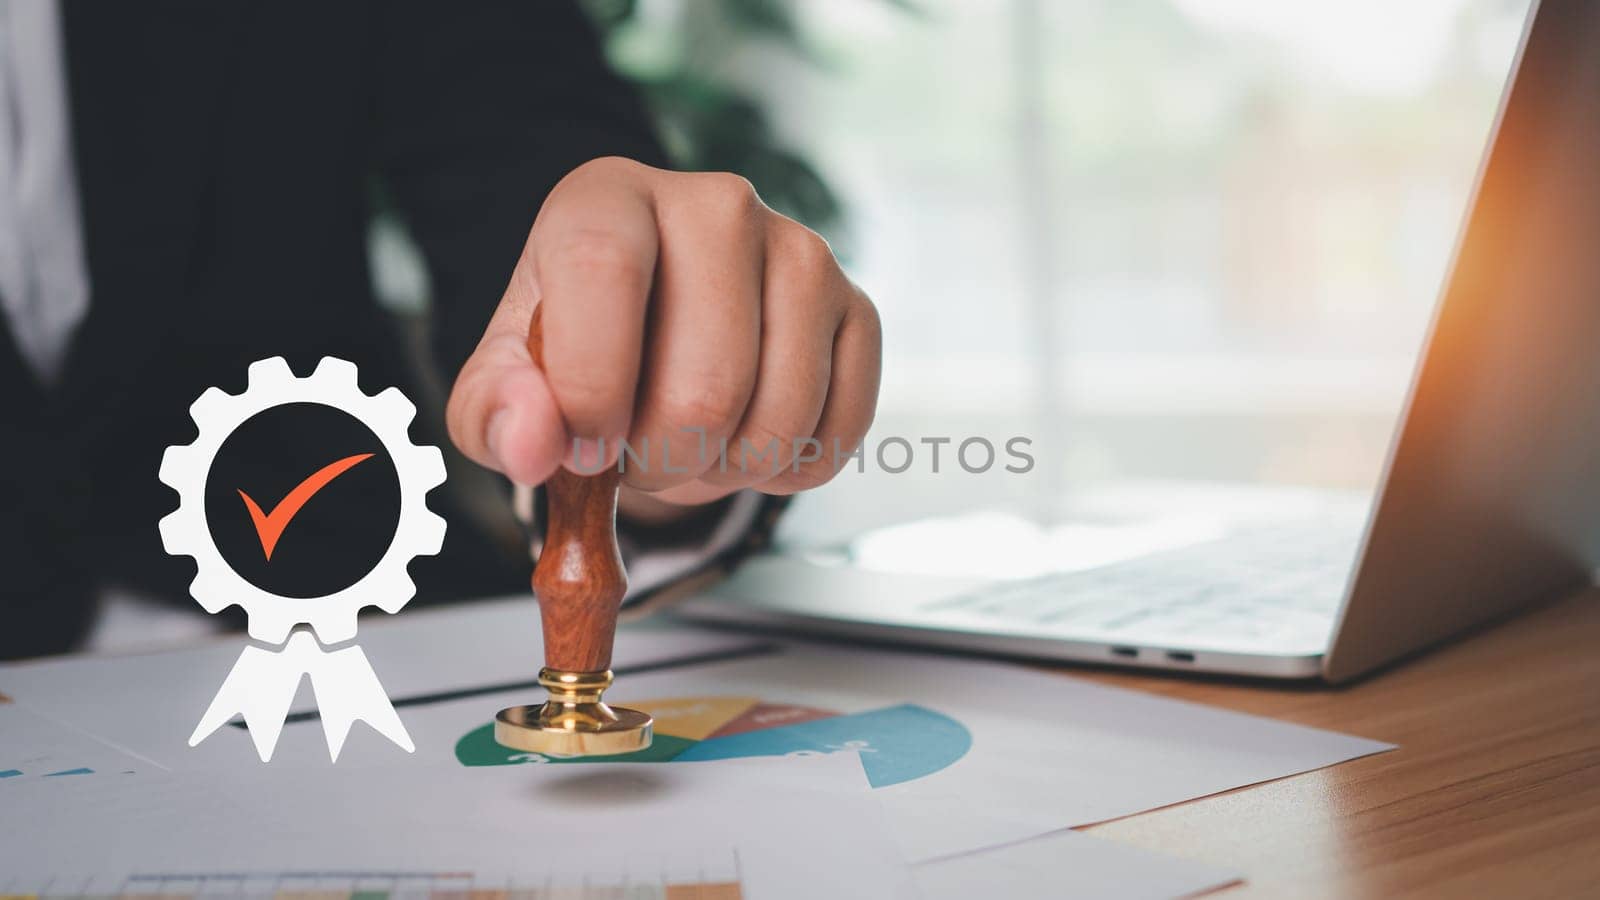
347,689
262,685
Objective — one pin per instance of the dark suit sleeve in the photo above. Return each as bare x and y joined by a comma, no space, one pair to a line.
482,107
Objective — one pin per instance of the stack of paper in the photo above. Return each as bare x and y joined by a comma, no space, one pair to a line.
629,831
971,770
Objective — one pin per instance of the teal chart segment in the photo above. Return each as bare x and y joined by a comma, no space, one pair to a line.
896,743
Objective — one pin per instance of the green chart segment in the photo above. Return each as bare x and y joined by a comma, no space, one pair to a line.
896,743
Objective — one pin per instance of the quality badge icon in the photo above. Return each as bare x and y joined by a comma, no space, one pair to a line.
262,683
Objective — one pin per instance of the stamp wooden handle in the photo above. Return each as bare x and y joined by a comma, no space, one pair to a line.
579,579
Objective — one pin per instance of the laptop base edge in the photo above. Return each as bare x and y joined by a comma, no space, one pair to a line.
727,613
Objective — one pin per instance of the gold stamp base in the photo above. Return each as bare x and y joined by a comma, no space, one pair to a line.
574,721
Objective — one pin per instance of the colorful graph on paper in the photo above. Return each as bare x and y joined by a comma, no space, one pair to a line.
897,743
34,745
718,883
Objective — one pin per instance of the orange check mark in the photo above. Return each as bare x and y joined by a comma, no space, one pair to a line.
269,526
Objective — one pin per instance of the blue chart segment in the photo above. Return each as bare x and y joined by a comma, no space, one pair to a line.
896,743
900,743
13,773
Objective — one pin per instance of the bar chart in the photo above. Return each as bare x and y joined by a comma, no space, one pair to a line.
716,882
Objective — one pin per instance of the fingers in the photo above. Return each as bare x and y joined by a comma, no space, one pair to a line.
593,256
817,385
851,397
705,328
852,402
501,413
803,304
716,340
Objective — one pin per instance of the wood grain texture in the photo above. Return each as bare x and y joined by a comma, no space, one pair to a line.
579,579
1494,792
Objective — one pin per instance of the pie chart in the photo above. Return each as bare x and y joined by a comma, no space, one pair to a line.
896,743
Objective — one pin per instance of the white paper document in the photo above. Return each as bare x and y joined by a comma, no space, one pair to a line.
1067,865
35,746
961,755
750,829
148,705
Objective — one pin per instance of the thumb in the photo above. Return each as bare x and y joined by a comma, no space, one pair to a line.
501,413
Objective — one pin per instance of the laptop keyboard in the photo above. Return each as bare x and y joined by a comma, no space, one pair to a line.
1282,585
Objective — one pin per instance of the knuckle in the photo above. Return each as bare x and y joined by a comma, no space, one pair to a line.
458,410
864,311
652,474
453,424
605,167
818,472
733,196
762,436
585,397
806,253
861,305
755,454
803,478
591,252
713,404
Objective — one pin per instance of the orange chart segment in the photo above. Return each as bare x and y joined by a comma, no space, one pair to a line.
696,718
771,715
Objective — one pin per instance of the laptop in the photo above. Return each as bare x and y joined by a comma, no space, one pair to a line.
1489,500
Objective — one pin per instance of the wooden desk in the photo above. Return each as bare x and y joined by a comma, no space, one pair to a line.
1495,790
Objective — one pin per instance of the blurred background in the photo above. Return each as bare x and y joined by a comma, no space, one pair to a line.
1194,239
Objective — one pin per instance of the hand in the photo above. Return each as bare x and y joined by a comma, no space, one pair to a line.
679,313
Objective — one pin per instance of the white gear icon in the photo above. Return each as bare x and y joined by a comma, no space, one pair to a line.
217,586
263,682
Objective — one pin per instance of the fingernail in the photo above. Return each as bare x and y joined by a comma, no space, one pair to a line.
587,456
496,434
